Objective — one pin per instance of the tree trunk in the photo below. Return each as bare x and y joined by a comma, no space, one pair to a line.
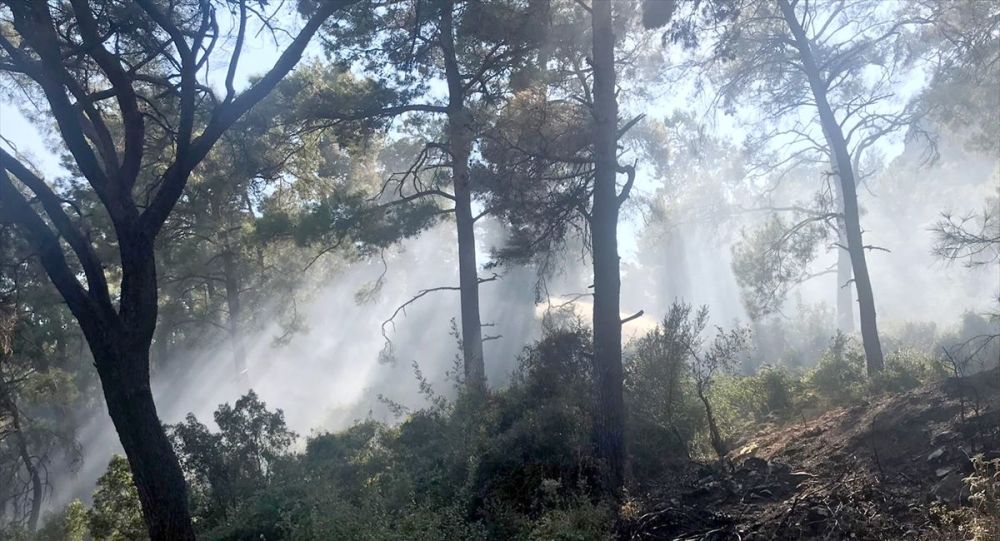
845,297
715,436
124,371
120,343
31,468
852,222
23,452
610,415
460,148
235,309
845,300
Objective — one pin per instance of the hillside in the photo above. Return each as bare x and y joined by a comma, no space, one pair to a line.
875,471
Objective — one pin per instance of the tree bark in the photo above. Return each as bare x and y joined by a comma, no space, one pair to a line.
852,222
845,300
120,345
610,415
155,470
460,148
715,436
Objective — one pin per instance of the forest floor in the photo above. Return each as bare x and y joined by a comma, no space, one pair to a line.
875,471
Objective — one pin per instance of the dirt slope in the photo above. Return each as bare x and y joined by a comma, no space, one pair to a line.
868,472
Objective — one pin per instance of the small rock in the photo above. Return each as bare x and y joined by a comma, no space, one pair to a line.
935,455
950,488
941,472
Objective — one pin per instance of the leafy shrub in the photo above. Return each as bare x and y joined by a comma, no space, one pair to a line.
663,412
69,524
839,377
116,514
576,520
670,378
743,402
227,467
907,369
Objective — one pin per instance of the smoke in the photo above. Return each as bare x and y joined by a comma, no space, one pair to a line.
329,375
686,256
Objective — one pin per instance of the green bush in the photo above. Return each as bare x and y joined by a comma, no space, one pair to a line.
116,514
907,369
743,402
576,520
839,377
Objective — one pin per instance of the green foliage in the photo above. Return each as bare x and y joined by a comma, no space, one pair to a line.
350,220
907,369
670,380
744,402
519,466
69,524
576,520
839,377
116,514
519,463
773,258
227,467
664,413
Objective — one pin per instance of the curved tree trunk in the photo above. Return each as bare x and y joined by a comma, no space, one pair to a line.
610,413
24,453
852,221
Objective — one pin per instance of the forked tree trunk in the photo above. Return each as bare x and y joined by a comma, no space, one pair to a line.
610,414
852,221
460,148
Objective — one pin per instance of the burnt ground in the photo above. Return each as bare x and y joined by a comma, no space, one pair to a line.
868,472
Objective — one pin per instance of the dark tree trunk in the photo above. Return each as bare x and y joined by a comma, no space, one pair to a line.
845,297
848,184
715,436
120,344
610,413
460,148
155,470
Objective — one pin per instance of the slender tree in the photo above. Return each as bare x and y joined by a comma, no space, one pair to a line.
824,81
468,45
604,244
552,168
118,79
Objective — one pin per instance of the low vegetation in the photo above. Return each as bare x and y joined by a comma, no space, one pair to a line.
523,466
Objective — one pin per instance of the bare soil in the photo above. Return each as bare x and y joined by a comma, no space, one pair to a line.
870,472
